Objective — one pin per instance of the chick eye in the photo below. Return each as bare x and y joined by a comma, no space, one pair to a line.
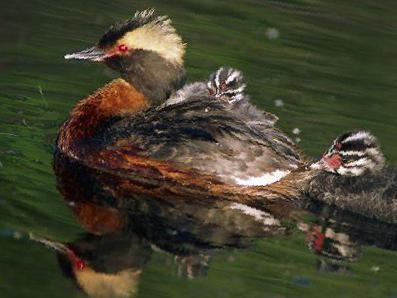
123,48
338,146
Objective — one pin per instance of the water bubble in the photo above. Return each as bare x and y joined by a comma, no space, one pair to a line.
279,103
296,131
301,281
17,235
272,33
24,122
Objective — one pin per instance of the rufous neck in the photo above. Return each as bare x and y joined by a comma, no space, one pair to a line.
93,113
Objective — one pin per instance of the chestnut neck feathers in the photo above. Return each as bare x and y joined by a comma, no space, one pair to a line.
92,114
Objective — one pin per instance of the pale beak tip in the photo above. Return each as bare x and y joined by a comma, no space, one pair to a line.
92,54
319,165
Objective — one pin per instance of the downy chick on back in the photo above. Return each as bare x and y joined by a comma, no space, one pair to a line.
227,85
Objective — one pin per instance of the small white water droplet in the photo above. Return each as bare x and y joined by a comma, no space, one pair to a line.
272,33
279,103
296,131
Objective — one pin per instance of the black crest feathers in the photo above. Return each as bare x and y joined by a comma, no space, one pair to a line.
140,19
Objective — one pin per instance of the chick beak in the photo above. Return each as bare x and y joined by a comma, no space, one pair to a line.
92,54
328,163
319,165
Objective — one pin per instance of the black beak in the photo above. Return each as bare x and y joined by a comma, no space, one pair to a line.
92,54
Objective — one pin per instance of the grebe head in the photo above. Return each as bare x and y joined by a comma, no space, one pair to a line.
227,84
144,31
352,154
145,49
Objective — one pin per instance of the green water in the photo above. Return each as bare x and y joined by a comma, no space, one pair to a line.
334,66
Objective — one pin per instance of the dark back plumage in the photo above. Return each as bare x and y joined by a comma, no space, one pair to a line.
202,134
227,85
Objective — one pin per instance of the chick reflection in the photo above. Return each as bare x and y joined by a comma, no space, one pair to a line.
124,227
339,235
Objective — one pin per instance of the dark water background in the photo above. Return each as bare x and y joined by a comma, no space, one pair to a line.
332,63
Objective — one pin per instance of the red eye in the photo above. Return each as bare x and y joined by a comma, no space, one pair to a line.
123,48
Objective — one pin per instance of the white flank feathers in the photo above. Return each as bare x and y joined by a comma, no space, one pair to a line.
260,216
265,179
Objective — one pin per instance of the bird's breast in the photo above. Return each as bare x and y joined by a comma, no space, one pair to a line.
92,114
